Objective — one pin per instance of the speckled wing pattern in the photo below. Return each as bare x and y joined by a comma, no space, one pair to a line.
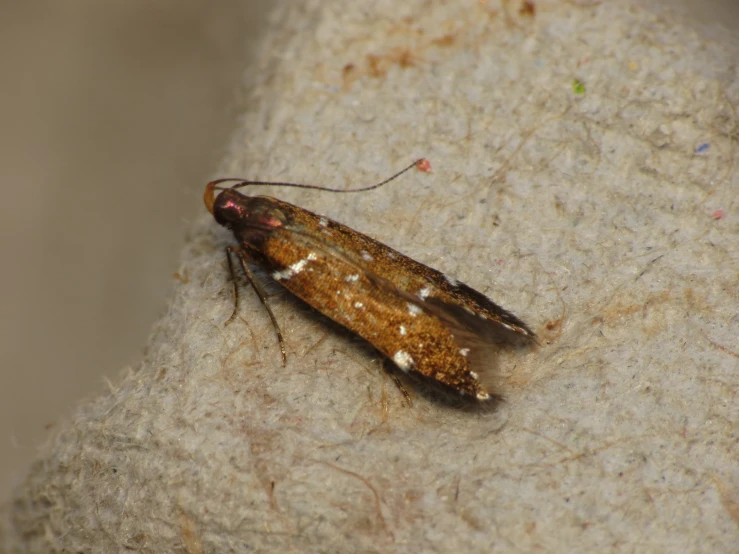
421,319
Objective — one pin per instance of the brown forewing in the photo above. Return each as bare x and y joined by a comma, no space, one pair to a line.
415,315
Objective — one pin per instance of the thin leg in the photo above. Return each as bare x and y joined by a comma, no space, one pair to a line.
390,372
234,283
260,293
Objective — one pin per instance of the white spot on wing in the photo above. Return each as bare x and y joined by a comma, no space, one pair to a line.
366,256
351,278
482,396
464,351
403,360
297,267
323,222
358,305
294,269
402,330
425,291
414,310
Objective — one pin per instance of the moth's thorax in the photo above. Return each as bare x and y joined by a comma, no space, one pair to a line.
236,211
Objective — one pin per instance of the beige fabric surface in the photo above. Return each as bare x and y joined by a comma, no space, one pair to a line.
584,176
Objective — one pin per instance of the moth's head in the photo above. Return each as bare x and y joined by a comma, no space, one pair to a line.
228,208
234,210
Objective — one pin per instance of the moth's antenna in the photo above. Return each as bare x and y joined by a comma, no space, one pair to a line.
422,164
209,197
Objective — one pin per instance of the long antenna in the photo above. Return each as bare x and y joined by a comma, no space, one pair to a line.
422,164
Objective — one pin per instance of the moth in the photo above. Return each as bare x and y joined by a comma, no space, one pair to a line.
421,319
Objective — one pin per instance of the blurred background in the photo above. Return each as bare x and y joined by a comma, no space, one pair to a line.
114,115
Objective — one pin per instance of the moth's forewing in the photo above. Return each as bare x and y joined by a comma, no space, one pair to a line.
416,316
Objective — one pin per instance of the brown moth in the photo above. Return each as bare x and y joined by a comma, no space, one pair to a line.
421,319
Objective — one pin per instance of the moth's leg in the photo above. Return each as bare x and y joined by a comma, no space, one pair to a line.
243,258
390,371
234,283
